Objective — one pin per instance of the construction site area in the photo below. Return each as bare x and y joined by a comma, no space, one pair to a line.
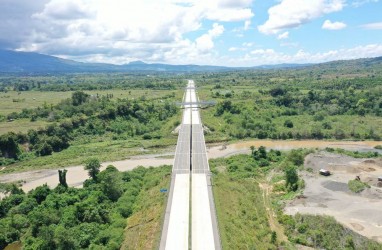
330,195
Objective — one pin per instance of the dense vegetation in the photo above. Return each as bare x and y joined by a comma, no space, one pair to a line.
73,82
355,154
83,118
78,218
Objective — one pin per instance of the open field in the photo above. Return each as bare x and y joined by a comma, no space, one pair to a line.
21,125
13,101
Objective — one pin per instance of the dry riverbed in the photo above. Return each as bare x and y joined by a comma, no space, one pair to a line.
76,174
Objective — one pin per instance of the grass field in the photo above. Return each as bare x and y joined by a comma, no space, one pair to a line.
241,207
144,226
21,125
13,101
35,99
242,216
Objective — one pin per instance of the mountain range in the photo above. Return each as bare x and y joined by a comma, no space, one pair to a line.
30,62
14,62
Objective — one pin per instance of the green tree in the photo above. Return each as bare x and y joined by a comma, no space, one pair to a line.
93,167
296,157
43,149
79,97
40,193
252,149
291,178
63,239
9,147
62,177
111,183
261,153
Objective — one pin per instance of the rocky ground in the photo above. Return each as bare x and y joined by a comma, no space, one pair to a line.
331,195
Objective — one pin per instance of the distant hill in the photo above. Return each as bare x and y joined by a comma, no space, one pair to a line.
351,65
282,66
30,62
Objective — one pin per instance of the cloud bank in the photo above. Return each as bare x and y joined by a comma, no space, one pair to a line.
294,13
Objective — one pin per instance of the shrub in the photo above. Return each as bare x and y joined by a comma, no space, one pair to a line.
296,157
357,186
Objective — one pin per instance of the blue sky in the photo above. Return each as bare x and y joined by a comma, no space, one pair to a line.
215,32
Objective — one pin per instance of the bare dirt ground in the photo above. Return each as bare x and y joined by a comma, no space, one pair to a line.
331,196
223,150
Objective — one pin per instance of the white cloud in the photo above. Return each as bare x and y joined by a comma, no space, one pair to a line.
284,35
234,3
270,56
229,15
115,30
233,49
372,26
359,3
205,42
293,13
263,52
247,44
329,25
66,10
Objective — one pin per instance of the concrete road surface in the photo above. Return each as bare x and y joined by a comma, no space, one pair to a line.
190,161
